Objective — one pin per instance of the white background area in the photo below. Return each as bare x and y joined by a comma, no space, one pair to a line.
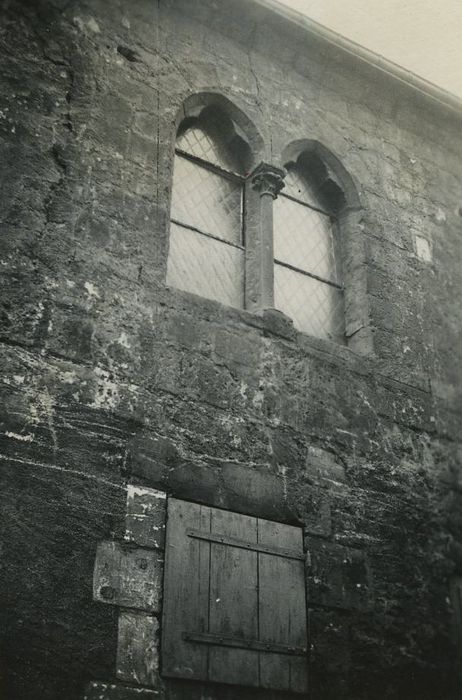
423,36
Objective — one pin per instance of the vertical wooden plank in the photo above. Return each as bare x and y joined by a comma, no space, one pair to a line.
233,600
186,587
282,608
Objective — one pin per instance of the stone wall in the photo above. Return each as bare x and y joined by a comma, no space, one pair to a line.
109,377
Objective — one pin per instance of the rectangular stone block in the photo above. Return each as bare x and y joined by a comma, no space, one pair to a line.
128,577
324,465
338,576
137,649
318,518
145,519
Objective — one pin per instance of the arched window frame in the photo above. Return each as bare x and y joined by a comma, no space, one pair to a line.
338,186
207,210
306,252
253,229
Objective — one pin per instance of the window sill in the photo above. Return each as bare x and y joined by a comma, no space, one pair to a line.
273,323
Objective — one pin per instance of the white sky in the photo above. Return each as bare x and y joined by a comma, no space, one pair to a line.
423,36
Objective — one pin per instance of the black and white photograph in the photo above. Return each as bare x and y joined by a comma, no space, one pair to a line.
231,349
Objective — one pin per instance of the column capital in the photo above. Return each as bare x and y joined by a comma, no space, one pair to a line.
267,179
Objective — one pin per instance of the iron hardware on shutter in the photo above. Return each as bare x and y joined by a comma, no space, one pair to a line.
242,544
241,643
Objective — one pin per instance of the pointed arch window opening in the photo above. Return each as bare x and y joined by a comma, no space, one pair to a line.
207,244
307,280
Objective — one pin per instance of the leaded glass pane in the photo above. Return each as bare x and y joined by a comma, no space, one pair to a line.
299,186
207,201
201,144
303,238
202,265
315,307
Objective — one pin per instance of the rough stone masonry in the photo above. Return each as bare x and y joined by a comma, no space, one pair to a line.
110,379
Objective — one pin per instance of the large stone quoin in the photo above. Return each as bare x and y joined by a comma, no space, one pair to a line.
156,443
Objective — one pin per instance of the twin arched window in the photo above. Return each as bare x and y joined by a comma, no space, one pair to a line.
208,227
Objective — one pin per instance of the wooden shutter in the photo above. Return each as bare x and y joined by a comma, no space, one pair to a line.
234,599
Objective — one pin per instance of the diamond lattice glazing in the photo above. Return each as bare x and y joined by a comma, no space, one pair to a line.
303,238
299,186
202,265
199,143
207,201
315,307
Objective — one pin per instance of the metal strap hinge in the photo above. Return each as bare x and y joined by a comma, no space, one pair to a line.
244,544
242,643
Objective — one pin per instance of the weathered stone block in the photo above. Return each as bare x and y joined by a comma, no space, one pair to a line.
146,513
236,348
128,577
337,576
137,649
277,323
97,690
184,330
323,464
151,457
317,514
330,655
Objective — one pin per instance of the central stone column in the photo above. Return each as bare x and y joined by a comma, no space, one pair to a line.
266,182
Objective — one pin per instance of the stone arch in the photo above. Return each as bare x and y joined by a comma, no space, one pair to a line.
335,181
244,129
